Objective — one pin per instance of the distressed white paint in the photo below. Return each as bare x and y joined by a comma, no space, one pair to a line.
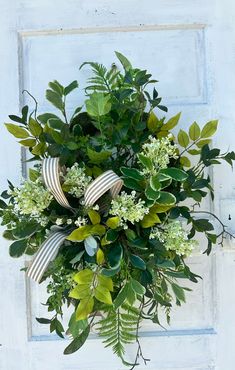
189,46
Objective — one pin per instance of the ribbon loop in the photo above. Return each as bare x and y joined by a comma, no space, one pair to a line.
51,176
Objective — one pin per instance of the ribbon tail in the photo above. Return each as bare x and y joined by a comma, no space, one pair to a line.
46,253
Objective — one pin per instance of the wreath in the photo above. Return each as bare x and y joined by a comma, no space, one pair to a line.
103,210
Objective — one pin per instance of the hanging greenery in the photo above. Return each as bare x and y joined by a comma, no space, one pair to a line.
103,210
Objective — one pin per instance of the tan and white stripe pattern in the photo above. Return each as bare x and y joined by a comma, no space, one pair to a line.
45,254
51,175
107,181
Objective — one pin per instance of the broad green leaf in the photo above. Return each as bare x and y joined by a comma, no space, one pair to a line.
84,308
39,149
175,173
111,235
103,294
185,161
78,257
90,245
151,193
160,208
80,291
55,99
111,271
132,184
76,327
98,104
80,234
55,124
100,257
137,262
57,87
113,222
18,132
106,282
98,157
28,142
153,122
18,248
166,198
194,131
94,217
115,254
124,61
43,118
209,129
201,143
137,287
98,230
84,277
24,230
121,297
172,122
145,161
72,86
155,183
34,127
132,172
150,220
77,342
183,138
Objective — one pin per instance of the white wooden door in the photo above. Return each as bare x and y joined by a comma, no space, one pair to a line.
189,45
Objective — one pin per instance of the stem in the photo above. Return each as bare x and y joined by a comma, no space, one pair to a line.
186,149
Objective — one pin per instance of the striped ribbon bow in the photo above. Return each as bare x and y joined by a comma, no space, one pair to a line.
51,176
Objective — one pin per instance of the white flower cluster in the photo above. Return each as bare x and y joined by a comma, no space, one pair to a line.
159,151
175,238
31,198
127,208
76,180
80,221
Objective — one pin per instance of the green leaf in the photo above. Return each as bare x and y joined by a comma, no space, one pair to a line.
173,121
18,248
98,157
153,122
115,254
183,138
113,222
137,287
98,104
18,132
179,292
124,61
185,161
24,230
77,342
43,118
55,123
132,184
55,99
151,193
102,294
137,262
175,173
166,198
39,149
91,245
94,217
80,291
194,131
72,86
84,276
84,308
57,87
132,172
34,174
155,183
121,297
41,320
145,161
28,142
201,143
209,129
150,220
80,234
106,282
76,327
34,127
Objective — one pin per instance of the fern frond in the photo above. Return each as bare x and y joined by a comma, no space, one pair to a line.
119,328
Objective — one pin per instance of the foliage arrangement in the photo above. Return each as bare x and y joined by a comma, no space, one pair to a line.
122,257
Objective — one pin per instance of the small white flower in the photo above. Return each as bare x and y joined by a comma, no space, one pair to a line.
81,221
77,180
175,238
59,221
96,207
159,151
127,208
69,221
